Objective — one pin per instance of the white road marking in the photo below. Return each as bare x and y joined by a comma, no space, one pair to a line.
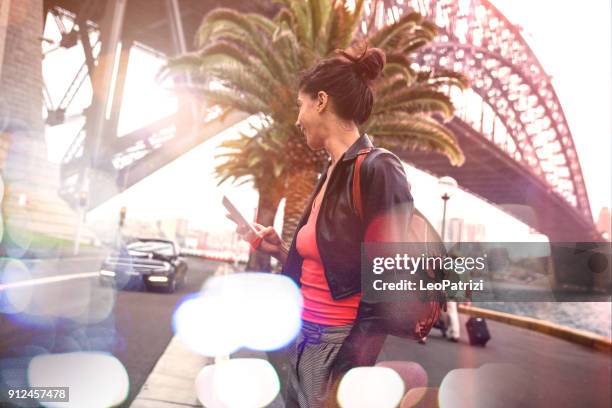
89,258
49,279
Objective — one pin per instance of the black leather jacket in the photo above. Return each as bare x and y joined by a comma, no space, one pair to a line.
387,205
387,208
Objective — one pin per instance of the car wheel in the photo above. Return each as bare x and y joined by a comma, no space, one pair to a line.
171,285
106,283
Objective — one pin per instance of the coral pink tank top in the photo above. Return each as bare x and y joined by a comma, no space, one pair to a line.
319,306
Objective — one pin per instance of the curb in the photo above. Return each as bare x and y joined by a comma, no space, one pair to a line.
171,382
599,343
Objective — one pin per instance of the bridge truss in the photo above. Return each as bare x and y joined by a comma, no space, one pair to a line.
512,102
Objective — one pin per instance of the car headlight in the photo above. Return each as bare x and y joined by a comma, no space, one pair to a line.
106,272
158,278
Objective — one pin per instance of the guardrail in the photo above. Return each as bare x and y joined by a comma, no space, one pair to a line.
584,338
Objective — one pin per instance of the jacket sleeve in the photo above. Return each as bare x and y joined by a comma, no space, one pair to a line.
387,207
387,202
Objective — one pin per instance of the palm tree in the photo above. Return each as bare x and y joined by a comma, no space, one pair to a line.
252,63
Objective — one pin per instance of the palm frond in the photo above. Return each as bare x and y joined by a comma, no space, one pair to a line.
228,24
228,98
302,20
392,35
415,100
221,20
413,44
416,133
343,24
400,63
443,77
244,82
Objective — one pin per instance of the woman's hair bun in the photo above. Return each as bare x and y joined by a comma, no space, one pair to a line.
370,64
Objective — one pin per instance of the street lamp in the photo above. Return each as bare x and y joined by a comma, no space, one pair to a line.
83,197
447,186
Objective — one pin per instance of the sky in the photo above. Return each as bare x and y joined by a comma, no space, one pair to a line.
571,41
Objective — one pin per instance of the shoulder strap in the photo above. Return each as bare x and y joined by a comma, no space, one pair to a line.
361,155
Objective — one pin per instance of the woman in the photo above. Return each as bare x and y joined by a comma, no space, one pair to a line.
338,333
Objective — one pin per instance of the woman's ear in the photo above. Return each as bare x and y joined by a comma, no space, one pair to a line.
322,100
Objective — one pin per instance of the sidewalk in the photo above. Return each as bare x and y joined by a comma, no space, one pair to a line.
171,383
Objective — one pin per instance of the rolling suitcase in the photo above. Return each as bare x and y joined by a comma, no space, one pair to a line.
477,331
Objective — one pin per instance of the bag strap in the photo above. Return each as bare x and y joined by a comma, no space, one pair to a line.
361,155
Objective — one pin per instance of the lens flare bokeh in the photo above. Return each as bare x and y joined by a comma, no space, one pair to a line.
14,299
259,311
486,386
240,382
367,387
94,379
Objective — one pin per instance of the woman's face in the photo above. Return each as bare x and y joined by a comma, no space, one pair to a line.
311,117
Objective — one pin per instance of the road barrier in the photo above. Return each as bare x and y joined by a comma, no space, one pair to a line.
591,340
215,255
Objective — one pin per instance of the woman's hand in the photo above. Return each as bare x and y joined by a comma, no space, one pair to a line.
267,239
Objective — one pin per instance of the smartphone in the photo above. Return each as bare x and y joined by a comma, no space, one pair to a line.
242,221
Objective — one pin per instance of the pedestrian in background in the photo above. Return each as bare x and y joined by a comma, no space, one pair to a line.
451,318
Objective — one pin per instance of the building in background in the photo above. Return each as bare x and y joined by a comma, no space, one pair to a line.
459,230
475,232
174,229
603,223
455,230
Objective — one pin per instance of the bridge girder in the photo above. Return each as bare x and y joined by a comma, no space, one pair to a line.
96,151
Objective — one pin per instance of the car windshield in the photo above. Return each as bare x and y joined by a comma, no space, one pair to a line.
158,247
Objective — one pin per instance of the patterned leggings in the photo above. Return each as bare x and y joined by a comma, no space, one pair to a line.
311,358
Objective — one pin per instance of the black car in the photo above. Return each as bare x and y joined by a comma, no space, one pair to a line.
149,261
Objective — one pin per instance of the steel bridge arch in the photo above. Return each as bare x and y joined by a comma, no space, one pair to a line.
475,37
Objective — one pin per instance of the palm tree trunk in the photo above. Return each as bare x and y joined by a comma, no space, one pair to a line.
299,187
266,211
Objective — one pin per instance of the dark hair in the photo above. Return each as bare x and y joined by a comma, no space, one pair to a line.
346,78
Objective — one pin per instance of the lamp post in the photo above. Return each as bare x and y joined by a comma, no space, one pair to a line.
119,236
447,186
83,201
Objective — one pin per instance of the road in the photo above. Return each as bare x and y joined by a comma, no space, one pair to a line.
133,325
517,368
525,369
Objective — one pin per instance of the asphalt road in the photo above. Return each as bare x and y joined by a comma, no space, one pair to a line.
517,368
80,315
